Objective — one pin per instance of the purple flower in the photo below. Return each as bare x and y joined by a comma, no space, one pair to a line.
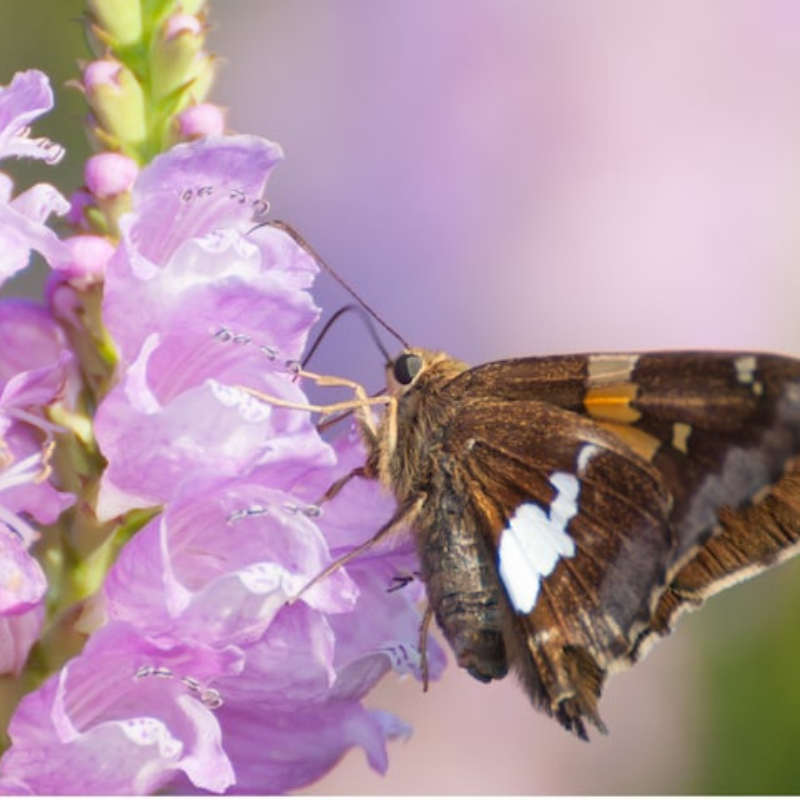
216,570
105,725
208,665
23,585
196,305
35,372
22,218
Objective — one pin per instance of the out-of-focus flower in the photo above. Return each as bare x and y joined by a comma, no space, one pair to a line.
26,98
35,367
23,218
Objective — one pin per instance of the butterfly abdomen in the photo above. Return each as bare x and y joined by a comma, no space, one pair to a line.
469,605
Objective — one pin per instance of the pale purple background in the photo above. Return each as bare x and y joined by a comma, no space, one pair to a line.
518,177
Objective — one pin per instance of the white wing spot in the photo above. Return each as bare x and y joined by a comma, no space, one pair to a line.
611,368
745,367
745,373
586,454
535,540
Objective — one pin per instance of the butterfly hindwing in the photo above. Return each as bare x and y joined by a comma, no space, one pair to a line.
578,525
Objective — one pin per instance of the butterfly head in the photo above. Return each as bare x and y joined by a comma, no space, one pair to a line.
415,365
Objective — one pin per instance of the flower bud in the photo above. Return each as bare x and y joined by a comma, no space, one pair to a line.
117,101
204,119
115,22
178,55
110,174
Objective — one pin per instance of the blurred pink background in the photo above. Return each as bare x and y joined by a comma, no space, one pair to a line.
512,177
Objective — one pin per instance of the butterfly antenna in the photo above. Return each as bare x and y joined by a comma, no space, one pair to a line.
288,229
330,422
329,324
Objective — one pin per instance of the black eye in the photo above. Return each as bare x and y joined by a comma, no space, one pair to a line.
406,368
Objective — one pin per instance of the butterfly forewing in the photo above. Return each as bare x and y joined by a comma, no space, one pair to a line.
718,426
578,524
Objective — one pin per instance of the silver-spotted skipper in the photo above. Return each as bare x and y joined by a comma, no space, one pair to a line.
567,508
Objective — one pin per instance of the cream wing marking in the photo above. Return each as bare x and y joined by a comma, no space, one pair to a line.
535,539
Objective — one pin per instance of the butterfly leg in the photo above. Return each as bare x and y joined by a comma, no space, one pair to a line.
399,582
338,485
424,629
398,518
360,402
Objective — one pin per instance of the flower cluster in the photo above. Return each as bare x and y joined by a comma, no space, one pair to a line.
36,372
155,628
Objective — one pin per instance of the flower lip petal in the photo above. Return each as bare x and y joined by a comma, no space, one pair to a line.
97,726
22,581
22,230
27,97
198,186
18,633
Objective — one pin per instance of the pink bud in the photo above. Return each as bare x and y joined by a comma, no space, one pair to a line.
182,23
90,256
101,73
110,174
204,119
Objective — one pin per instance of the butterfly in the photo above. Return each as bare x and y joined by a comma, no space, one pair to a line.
566,509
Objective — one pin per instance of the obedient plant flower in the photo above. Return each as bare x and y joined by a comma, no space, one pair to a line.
169,636
194,306
35,372
23,218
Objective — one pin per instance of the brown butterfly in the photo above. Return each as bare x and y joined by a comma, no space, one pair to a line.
566,509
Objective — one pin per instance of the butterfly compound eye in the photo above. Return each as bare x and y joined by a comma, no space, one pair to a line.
406,368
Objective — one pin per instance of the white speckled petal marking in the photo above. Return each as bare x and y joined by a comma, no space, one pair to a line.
534,540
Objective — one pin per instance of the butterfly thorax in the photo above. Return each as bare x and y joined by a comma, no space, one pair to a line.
409,436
